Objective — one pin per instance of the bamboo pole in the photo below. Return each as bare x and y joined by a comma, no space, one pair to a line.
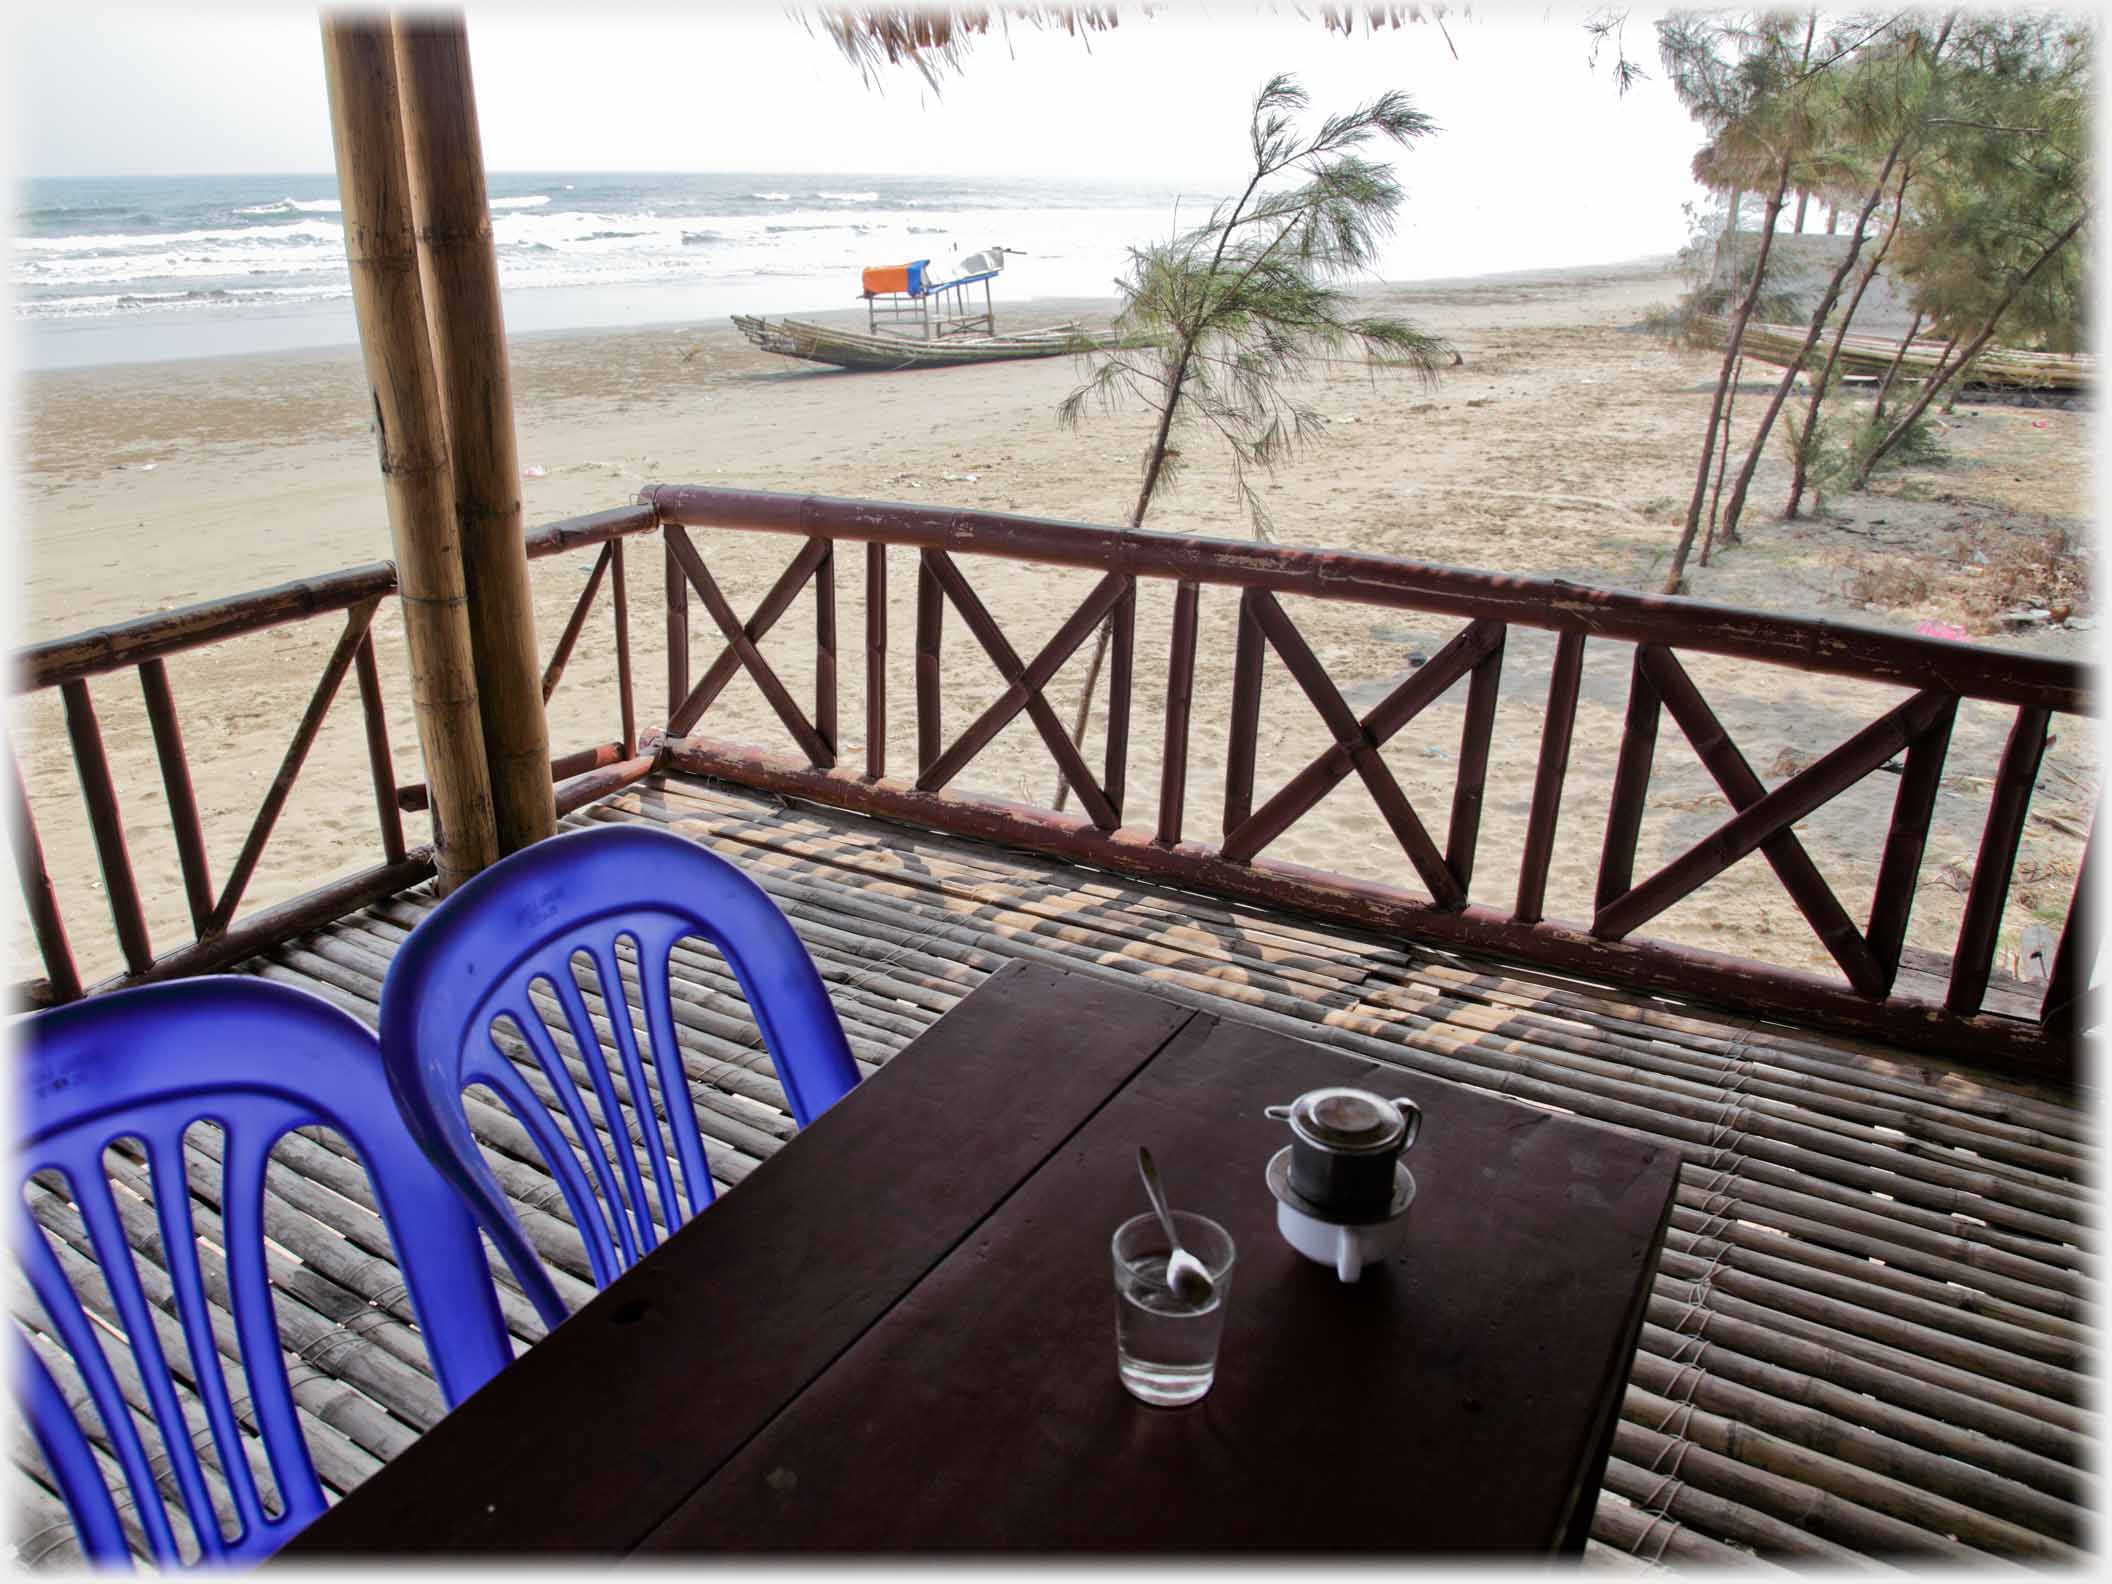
460,273
360,67
1660,1497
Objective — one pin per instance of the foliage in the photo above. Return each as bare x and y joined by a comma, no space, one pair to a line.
1968,128
1838,451
1231,313
937,39
2007,174
1713,291
1917,446
1734,75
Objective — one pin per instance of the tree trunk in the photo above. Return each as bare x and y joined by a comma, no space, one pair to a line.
1884,386
1921,403
1677,574
1801,461
1723,455
1803,201
1832,294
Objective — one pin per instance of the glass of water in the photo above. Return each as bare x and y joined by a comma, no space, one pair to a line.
1165,1346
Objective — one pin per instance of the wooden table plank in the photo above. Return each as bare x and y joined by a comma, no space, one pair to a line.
596,1433
1457,1399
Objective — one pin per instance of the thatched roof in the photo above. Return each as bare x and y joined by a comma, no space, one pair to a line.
937,38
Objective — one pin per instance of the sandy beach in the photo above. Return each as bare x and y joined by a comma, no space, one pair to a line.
1562,445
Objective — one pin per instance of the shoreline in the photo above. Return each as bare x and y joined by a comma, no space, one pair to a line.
35,340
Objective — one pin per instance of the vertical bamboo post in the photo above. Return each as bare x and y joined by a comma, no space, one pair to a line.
1180,686
460,274
359,62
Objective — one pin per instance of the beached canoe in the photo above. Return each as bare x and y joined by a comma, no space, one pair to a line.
1869,356
855,349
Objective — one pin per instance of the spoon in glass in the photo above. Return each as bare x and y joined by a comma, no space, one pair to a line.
1185,1274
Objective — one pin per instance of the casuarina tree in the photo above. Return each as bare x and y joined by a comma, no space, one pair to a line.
1223,322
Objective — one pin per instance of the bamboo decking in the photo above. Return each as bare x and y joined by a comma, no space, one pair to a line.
1868,1341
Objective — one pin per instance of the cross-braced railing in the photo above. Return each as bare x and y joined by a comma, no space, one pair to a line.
1868,999
1442,846
217,937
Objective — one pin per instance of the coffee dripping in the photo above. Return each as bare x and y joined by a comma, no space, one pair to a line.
1342,1193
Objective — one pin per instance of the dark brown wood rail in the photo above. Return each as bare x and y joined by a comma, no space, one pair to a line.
217,939
1441,845
1865,1000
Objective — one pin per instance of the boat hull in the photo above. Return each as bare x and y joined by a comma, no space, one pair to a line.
852,349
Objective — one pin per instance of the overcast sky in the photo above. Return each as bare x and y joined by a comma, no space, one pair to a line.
708,86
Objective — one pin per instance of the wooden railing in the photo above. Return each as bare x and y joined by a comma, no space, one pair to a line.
217,938
1868,1002
1868,998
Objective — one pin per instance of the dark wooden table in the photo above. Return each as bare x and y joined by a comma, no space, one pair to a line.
898,1334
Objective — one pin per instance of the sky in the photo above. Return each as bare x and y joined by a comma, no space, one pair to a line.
747,86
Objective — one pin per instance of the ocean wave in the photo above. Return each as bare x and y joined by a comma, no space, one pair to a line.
120,242
105,304
294,206
75,211
609,232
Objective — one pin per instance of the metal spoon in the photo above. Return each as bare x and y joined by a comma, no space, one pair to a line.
1185,1274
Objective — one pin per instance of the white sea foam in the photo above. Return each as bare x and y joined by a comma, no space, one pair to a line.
137,243
810,244
294,206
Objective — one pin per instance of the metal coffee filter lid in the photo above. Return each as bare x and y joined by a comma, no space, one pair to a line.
1349,1121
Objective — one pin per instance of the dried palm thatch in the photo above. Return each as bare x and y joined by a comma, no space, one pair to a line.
936,39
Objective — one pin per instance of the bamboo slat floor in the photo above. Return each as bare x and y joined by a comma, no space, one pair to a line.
1868,1342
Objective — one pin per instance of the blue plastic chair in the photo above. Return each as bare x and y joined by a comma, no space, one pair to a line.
471,963
257,1059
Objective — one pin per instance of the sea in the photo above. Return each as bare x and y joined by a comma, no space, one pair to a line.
139,269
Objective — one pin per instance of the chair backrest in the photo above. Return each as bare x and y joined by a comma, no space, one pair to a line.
137,1069
501,949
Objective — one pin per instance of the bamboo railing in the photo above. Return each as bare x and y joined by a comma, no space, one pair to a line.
1868,1001
218,938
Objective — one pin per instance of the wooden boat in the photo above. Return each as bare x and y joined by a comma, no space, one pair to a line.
1868,356
857,349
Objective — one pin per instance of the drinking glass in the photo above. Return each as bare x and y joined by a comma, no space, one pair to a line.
1165,1346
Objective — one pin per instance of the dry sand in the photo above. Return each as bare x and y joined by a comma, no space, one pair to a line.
1563,445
